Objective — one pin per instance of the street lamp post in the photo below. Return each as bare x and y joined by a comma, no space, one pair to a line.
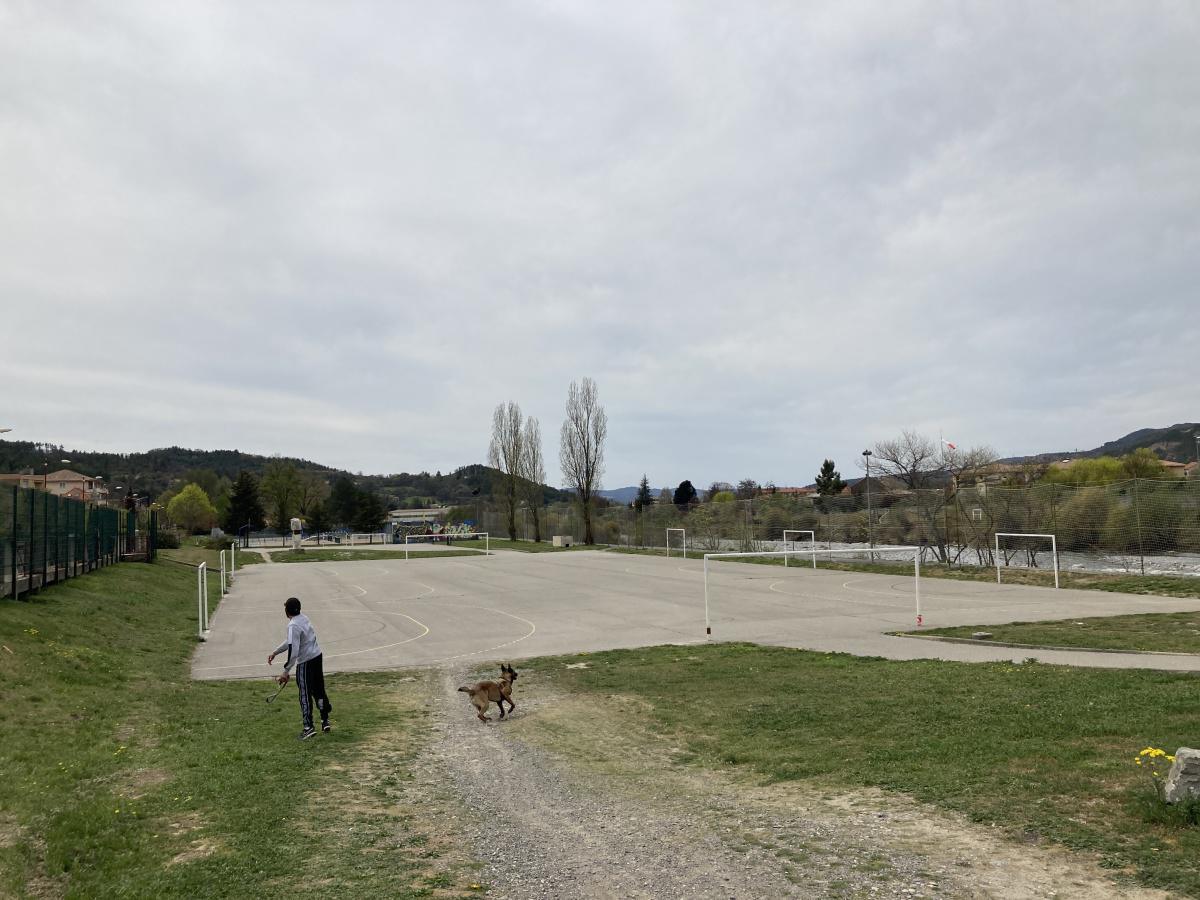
870,520
46,472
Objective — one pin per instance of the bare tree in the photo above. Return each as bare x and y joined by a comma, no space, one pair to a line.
533,473
581,447
911,458
504,455
933,472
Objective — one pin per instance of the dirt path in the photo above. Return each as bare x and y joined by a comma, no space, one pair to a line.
568,800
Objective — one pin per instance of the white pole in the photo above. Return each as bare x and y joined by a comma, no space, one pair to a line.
202,599
1054,550
222,573
707,624
997,557
487,544
232,557
917,585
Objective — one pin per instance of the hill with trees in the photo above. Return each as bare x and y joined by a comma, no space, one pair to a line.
153,473
1176,443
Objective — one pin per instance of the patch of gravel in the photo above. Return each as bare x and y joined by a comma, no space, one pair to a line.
540,832
542,825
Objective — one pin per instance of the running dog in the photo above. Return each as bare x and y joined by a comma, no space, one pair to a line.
485,693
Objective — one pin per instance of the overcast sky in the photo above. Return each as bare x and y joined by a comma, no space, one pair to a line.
771,232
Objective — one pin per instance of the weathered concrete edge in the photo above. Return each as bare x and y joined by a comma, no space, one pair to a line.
949,639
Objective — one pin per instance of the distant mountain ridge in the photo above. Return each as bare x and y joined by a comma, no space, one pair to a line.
1176,443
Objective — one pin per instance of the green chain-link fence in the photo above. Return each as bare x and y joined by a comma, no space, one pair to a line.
45,538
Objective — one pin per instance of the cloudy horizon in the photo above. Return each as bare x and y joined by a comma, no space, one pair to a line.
347,234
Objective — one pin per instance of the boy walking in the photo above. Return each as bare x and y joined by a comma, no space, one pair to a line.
305,654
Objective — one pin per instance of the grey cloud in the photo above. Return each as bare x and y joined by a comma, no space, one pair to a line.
771,235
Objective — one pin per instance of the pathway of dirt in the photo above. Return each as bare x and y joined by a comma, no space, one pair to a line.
575,799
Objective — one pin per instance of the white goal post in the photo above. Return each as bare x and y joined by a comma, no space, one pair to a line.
915,551
1010,534
202,597
683,541
812,539
486,551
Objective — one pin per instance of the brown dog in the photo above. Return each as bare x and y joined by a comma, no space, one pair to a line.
485,693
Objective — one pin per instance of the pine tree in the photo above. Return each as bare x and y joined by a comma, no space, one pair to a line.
644,498
829,480
685,494
343,502
245,506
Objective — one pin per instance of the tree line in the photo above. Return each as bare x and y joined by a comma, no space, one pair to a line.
284,491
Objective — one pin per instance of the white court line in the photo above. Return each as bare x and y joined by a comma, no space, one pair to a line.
532,630
332,655
387,646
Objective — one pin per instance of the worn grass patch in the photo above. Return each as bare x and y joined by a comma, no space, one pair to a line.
121,777
1041,750
1155,632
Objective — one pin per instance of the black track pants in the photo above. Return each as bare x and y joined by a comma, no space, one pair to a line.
310,679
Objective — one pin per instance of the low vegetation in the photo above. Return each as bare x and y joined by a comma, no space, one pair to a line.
1044,752
122,777
194,551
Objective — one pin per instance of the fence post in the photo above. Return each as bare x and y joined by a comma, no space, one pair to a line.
15,496
29,546
1137,511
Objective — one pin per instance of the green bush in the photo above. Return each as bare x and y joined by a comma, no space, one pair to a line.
166,540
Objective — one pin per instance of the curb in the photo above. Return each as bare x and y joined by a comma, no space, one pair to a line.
978,643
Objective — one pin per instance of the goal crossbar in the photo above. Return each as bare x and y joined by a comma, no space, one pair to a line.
915,551
683,542
447,536
812,539
1053,549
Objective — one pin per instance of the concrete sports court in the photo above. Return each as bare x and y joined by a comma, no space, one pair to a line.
384,614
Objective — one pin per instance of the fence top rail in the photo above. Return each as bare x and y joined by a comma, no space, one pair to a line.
1001,534
450,534
868,550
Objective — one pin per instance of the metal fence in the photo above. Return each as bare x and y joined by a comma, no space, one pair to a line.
1145,526
45,538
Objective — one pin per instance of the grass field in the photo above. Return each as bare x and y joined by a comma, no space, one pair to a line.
194,554
1155,632
1044,752
122,777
